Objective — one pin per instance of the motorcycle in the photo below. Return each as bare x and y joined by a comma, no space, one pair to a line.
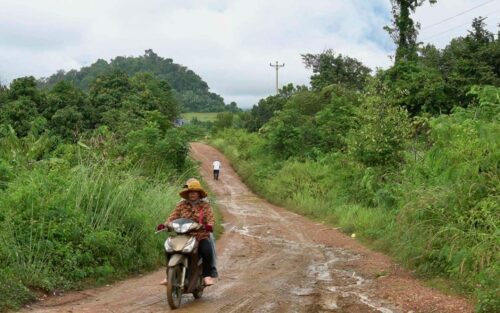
184,268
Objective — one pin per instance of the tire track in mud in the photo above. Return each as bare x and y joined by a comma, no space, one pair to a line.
272,260
272,240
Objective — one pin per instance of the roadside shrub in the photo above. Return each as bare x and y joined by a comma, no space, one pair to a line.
382,133
157,150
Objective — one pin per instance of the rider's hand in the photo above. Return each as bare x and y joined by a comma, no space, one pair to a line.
208,227
160,227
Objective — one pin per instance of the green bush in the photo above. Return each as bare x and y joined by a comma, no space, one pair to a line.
157,150
382,133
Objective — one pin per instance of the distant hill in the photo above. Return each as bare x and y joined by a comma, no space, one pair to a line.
190,90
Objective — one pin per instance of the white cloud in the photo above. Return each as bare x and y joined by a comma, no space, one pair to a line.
228,43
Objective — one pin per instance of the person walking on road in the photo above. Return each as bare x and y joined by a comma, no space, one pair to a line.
216,166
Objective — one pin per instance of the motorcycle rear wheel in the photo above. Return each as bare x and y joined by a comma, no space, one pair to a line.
174,290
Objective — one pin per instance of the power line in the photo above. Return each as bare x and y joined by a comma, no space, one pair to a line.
447,31
456,27
459,14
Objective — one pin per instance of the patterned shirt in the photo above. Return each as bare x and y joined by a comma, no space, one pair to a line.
185,209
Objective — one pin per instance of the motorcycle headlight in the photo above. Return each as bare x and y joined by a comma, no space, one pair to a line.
168,245
181,228
185,227
175,227
189,245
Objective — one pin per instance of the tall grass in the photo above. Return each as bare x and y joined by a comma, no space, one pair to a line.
72,217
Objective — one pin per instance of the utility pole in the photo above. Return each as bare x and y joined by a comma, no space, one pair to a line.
277,67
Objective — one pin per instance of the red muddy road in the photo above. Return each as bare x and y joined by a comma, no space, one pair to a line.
272,260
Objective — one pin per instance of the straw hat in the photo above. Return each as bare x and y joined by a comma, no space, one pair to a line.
192,185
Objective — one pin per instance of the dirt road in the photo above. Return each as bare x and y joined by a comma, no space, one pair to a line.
272,260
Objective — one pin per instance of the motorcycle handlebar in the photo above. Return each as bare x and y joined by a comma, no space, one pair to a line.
160,231
200,226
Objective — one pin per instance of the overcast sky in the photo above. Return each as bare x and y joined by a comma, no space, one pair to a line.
228,43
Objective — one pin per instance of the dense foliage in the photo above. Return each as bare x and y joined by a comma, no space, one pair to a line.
84,178
120,102
438,80
408,159
329,68
404,30
189,89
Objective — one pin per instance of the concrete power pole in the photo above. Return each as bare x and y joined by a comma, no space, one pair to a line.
277,67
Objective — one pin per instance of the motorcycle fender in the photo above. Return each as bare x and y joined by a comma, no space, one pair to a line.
178,259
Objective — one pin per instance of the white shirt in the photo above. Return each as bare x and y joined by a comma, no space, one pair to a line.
216,165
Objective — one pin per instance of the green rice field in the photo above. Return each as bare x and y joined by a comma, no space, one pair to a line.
201,116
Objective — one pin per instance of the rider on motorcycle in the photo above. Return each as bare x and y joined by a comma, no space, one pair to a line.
196,207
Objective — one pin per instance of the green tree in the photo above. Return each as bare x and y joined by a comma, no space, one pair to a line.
108,91
107,95
418,89
127,103
329,68
266,108
232,107
404,31
25,87
121,121
283,133
65,94
19,114
151,94
429,56
471,60
293,131
190,90
67,122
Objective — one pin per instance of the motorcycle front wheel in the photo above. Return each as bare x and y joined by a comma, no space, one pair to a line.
198,293
174,288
